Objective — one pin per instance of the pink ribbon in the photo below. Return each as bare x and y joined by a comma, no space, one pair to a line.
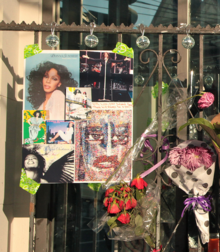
165,147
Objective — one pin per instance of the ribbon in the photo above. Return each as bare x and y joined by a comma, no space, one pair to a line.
165,146
203,201
157,250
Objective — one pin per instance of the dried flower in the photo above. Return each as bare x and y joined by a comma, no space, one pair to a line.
105,202
113,208
124,218
139,183
133,202
175,156
191,157
110,190
121,204
128,204
195,157
206,100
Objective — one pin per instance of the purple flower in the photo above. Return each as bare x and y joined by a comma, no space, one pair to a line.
175,156
206,100
191,157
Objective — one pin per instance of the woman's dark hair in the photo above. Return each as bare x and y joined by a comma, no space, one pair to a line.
36,93
77,91
103,55
41,160
37,111
69,125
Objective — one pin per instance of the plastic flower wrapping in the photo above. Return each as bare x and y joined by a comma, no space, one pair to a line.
192,170
131,211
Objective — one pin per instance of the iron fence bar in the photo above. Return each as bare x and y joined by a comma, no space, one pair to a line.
132,29
159,106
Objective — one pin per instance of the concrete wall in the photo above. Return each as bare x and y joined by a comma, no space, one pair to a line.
14,202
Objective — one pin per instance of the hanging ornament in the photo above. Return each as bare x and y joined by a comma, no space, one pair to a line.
188,42
143,41
52,40
91,40
208,80
139,80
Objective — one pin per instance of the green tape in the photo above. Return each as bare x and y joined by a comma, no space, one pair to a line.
28,184
124,50
31,50
94,186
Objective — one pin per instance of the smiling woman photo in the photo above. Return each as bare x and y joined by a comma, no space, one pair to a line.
47,87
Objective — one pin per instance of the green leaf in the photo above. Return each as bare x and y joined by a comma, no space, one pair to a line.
138,221
94,186
114,224
149,241
111,220
139,231
139,195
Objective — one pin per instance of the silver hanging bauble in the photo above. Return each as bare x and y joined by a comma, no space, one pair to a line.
143,42
91,40
139,80
208,80
52,40
188,42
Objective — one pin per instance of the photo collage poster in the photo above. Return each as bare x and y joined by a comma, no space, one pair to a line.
77,115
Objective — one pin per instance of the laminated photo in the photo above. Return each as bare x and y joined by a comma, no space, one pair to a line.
49,163
47,75
110,76
60,132
78,103
102,142
34,126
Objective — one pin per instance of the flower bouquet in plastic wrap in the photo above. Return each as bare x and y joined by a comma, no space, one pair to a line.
131,211
192,170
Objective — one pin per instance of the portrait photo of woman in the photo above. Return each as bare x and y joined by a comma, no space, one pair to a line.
47,77
34,126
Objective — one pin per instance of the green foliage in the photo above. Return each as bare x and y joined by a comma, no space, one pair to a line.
154,91
213,131
94,186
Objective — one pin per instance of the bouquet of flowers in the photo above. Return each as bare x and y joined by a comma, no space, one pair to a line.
131,211
192,169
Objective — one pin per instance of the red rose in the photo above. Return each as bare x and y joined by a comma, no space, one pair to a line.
124,218
110,190
121,204
113,208
110,200
128,205
133,202
118,192
105,202
128,189
122,188
139,183
206,100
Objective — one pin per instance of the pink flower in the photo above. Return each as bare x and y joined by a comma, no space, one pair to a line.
124,218
195,157
206,100
175,156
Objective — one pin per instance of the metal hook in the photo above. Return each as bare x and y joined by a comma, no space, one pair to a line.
92,25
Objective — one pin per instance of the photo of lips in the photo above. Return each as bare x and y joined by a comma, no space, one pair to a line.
101,144
106,162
